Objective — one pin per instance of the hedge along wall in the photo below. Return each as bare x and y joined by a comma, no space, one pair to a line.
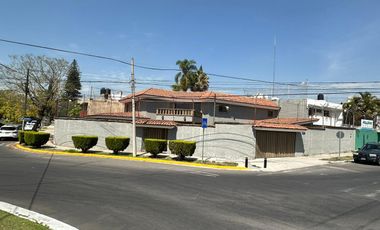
36,139
65,128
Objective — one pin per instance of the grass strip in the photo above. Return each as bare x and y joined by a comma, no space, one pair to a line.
9,221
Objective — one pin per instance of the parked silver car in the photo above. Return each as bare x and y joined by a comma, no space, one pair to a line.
9,131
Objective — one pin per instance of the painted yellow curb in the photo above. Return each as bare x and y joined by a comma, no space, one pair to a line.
159,161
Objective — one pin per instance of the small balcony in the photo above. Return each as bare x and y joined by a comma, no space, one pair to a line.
180,115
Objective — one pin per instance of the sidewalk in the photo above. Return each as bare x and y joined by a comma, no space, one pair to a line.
291,163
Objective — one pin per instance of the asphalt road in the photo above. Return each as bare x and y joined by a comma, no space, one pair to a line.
91,193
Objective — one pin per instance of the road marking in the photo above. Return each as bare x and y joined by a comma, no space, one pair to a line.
343,169
1,144
202,173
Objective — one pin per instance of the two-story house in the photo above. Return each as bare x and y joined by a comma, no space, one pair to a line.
190,107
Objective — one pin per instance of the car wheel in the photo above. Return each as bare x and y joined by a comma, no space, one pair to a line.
356,160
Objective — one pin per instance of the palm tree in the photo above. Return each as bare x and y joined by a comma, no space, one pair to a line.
185,78
190,77
364,106
202,81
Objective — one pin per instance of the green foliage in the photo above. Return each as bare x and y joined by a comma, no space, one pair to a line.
190,77
155,146
364,106
74,110
11,106
117,144
36,139
21,139
182,148
73,85
44,88
9,221
84,142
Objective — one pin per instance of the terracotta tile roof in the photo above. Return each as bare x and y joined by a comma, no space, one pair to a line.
279,126
292,120
140,119
283,123
208,95
155,122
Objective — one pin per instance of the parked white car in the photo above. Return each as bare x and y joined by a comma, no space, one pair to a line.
9,131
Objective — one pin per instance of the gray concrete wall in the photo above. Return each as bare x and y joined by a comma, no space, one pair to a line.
224,142
149,108
300,146
325,141
65,129
293,108
235,114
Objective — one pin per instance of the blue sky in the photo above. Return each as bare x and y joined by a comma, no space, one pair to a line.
316,40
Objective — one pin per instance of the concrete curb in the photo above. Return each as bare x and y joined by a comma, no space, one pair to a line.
150,160
35,217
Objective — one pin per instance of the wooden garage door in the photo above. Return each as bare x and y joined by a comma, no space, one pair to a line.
155,133
275,144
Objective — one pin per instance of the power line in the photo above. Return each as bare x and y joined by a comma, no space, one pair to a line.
225,88
127,63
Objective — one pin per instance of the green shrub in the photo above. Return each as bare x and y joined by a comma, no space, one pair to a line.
182,148
84,142
155,146
117,144
21,137
36,139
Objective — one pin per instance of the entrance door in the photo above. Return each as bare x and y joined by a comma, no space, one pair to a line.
275,144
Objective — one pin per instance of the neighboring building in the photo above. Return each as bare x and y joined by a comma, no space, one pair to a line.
99,106
326,113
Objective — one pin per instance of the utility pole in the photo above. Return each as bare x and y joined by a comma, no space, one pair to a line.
133,88
26,92
26,98
274,63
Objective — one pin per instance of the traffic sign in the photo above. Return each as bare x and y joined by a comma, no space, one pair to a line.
204,123
340,134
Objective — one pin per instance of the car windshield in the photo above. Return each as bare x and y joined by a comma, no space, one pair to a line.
367,147
8,128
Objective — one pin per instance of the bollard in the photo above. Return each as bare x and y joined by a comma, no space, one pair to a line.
246,162
265,163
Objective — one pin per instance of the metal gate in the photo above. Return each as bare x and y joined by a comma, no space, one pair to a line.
275,144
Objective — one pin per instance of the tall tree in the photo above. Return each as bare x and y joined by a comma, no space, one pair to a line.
190,77
202,80
45,81
364,106
73,85
184,78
